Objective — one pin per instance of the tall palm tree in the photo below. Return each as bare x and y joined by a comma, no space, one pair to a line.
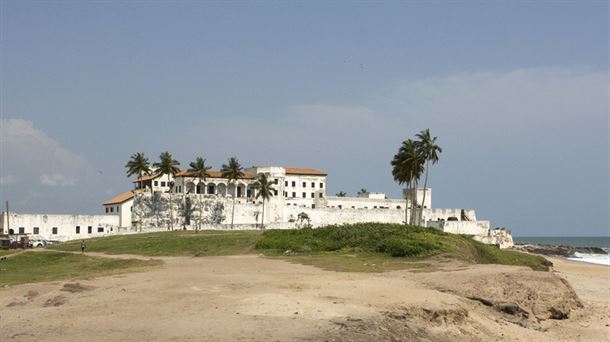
200,171
265,190
407,167
138,165
232,171
429,150
167,165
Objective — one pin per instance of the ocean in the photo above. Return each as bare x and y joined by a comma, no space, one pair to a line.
576,241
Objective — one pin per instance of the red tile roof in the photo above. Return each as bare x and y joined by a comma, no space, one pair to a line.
302,171
121,198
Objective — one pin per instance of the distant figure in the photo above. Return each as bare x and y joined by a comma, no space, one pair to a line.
82,246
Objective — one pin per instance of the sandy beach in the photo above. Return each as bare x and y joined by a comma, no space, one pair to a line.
252,298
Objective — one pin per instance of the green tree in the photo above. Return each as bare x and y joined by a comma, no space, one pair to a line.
167,165
200,171
138,165
407,167
363,192
265,190
429,151
232,171
341,194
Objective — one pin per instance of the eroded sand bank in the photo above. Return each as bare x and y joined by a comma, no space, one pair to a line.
251,298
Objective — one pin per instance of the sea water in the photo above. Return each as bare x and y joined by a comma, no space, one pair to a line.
576,241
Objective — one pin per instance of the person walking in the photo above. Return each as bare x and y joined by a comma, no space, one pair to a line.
82,246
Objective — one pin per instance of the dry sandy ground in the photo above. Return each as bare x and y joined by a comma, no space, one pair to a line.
250,298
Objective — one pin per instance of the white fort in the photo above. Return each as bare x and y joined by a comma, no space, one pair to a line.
162,202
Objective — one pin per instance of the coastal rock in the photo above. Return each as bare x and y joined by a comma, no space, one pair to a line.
557,250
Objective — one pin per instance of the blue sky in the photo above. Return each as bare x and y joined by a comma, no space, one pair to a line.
517,94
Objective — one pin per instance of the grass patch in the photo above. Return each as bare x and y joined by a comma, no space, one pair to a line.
390,240
353,247
4,252
175,243
30,267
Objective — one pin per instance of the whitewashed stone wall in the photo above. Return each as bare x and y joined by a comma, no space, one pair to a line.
66,225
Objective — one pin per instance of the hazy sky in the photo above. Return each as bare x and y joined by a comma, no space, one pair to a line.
517,94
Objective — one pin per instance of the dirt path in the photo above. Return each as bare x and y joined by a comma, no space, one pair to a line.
251,298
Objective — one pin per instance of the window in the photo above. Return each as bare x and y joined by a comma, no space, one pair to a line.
162,183
397,207
156,183
54,230
340,206
294,183
313,206
321,195
294,194
313,184
106,209
304,184
285,194
286,183
117,208
111,209
89,229
321,185
313,195
304,195
275,192
77,229
275,181
131,208
36,230
21,230
100,229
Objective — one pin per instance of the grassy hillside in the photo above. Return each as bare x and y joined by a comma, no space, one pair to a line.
29,267
175,243
411,243
358,247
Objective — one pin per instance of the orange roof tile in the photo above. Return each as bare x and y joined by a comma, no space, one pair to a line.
302,171
118,199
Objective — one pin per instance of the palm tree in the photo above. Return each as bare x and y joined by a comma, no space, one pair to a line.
363,192
200,171
341,194
167,165
407,169
429,150
265,190
232,171
138,165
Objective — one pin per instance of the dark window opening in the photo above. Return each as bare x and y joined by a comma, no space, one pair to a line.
294,194
304,184
275,192
100,229
162,183
313,195
304,195
54,230
156,183
89,229
321,195
294,184
313,184
106,209
286,183
321,185
21,230
77,229
36,230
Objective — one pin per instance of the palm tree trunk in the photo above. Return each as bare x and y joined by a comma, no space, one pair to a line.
414,203
233,212
263,217
421,216
407,205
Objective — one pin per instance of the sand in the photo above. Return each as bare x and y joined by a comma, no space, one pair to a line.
252,298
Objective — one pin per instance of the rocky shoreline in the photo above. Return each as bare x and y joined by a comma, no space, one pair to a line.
557,250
